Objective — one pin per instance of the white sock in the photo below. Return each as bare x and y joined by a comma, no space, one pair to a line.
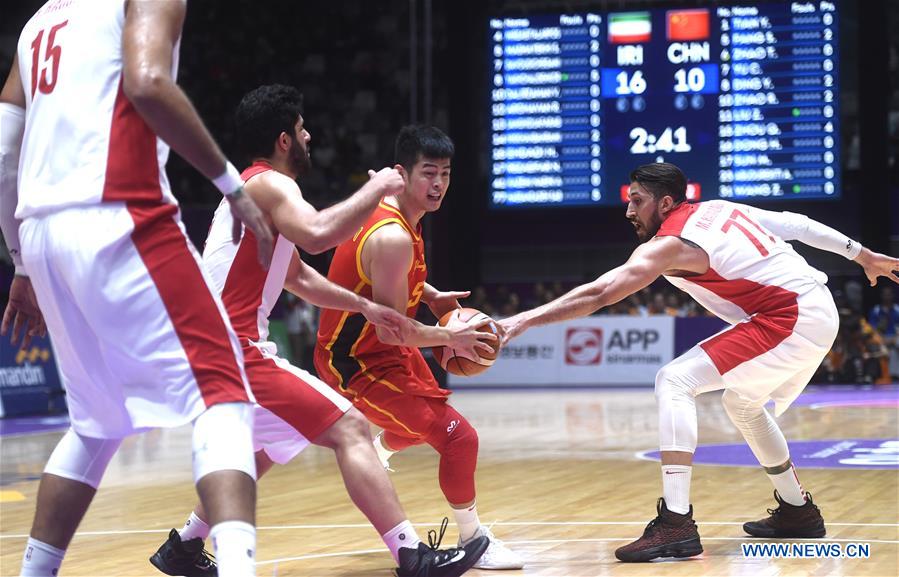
40,559
676,487
788,487
403,535
384,453
234,544
193,528
468,522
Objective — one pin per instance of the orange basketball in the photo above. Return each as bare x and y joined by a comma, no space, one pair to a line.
457,362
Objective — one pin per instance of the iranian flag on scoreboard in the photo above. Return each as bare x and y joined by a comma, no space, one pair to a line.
629,28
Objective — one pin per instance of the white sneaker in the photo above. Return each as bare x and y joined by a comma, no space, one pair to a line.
383,453
498,555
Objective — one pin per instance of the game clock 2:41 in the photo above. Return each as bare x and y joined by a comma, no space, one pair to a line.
670,140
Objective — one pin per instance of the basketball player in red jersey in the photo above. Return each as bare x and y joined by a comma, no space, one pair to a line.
386,378
92,106
733,259
293,407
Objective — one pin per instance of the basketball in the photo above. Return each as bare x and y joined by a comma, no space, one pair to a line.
457,362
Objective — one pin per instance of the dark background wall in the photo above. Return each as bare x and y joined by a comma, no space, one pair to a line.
364,67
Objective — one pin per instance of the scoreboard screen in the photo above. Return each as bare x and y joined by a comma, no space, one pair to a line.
743,97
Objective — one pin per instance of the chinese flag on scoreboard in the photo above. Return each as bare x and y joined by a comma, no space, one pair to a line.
683,25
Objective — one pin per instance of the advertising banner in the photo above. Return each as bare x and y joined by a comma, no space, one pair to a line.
29,379
613,350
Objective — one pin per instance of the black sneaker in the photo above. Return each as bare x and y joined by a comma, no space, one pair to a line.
429,561
668,535
184,558
787,520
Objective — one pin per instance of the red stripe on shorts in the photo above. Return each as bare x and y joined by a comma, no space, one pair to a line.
191,307
775,311
289,396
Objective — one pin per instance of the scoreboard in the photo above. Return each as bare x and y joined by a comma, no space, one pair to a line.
744,98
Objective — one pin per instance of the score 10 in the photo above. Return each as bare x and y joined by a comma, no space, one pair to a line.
698,79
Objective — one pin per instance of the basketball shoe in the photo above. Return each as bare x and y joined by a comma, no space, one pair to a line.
498,555
668,535
186,558
429,561
787,520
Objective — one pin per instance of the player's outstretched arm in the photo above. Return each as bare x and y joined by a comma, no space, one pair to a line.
794,226
306,283
152,29
644,266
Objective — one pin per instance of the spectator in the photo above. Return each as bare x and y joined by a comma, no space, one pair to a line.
866,353
657,304
885,318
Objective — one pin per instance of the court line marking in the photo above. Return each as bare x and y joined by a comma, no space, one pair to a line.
498,523
548,541
644,456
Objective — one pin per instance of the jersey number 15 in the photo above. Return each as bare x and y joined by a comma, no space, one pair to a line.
52,54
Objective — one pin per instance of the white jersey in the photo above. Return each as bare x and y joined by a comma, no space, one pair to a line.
751,270
84,141
248,291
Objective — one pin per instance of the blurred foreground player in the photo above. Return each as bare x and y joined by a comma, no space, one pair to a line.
91,105
293,407
386,378
733,259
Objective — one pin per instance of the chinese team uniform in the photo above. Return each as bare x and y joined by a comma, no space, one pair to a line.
392,385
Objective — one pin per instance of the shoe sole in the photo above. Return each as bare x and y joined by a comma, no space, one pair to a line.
816,534
467,562
498,567
688,548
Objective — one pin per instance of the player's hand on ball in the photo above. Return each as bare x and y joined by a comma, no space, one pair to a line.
471,340
443,302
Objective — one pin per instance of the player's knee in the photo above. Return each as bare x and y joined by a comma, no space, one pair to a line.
223,440
670,382
462,435
738,409
350,429
82,459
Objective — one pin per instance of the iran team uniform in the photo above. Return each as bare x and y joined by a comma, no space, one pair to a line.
783,316
293,407
141,339
391,385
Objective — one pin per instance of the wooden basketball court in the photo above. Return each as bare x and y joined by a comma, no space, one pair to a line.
559,477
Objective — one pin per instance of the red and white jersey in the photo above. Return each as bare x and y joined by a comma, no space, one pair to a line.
84,142
248,291
751,270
